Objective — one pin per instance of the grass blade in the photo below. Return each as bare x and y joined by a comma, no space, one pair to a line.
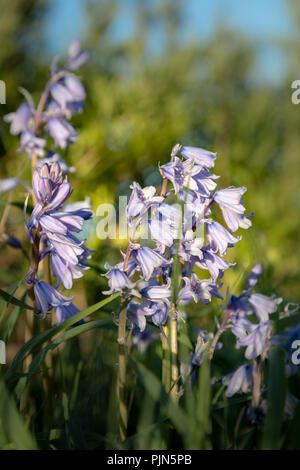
275,400
13,431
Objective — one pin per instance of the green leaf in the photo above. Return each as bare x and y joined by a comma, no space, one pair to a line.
13,431
40,357
155,389
10,299
198,404
203,401
11,321
36,341
275,400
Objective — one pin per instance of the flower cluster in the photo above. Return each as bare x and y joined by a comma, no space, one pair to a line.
186,230
52,226
63,96
254,335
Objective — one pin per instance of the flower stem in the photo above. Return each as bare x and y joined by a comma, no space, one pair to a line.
174,356
121,383
166,372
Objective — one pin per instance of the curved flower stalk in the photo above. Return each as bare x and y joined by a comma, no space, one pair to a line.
256,336
42,129
51,230
158,279
63,96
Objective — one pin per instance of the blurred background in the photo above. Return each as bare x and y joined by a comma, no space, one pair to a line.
215,74
210,73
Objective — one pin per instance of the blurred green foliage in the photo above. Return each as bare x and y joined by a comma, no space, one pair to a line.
140,103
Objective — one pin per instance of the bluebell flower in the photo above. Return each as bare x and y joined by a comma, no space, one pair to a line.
212,262
136,316
190,246
47,297
32,144
143,339
201,157
117,280
202,341
193,202
147,259
155,291
63,312
239,307
76,58
205,183
64,271
196,289
157,310
255,337
219,238
160,316
229,201
162,232
20,119
54,157
241,381
141,200
61,131
57,226
69,94
254,276
181,174
264,305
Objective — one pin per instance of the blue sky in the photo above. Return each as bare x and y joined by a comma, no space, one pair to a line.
262,20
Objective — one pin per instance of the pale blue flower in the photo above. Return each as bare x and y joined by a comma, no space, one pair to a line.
241,381
255,337
218,237
213,263
157,292
264,305
20,119
141,200
147,260
32,144
202,157
77,58
117,280
63,312
181,174
47,297
229,201
254,275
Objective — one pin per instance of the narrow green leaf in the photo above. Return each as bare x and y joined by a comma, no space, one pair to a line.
11,321
35,342
275,400
10,299
40,357
155,389
13,431
200,420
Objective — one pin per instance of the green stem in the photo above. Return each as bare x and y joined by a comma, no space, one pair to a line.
121,383
174,356
166,372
